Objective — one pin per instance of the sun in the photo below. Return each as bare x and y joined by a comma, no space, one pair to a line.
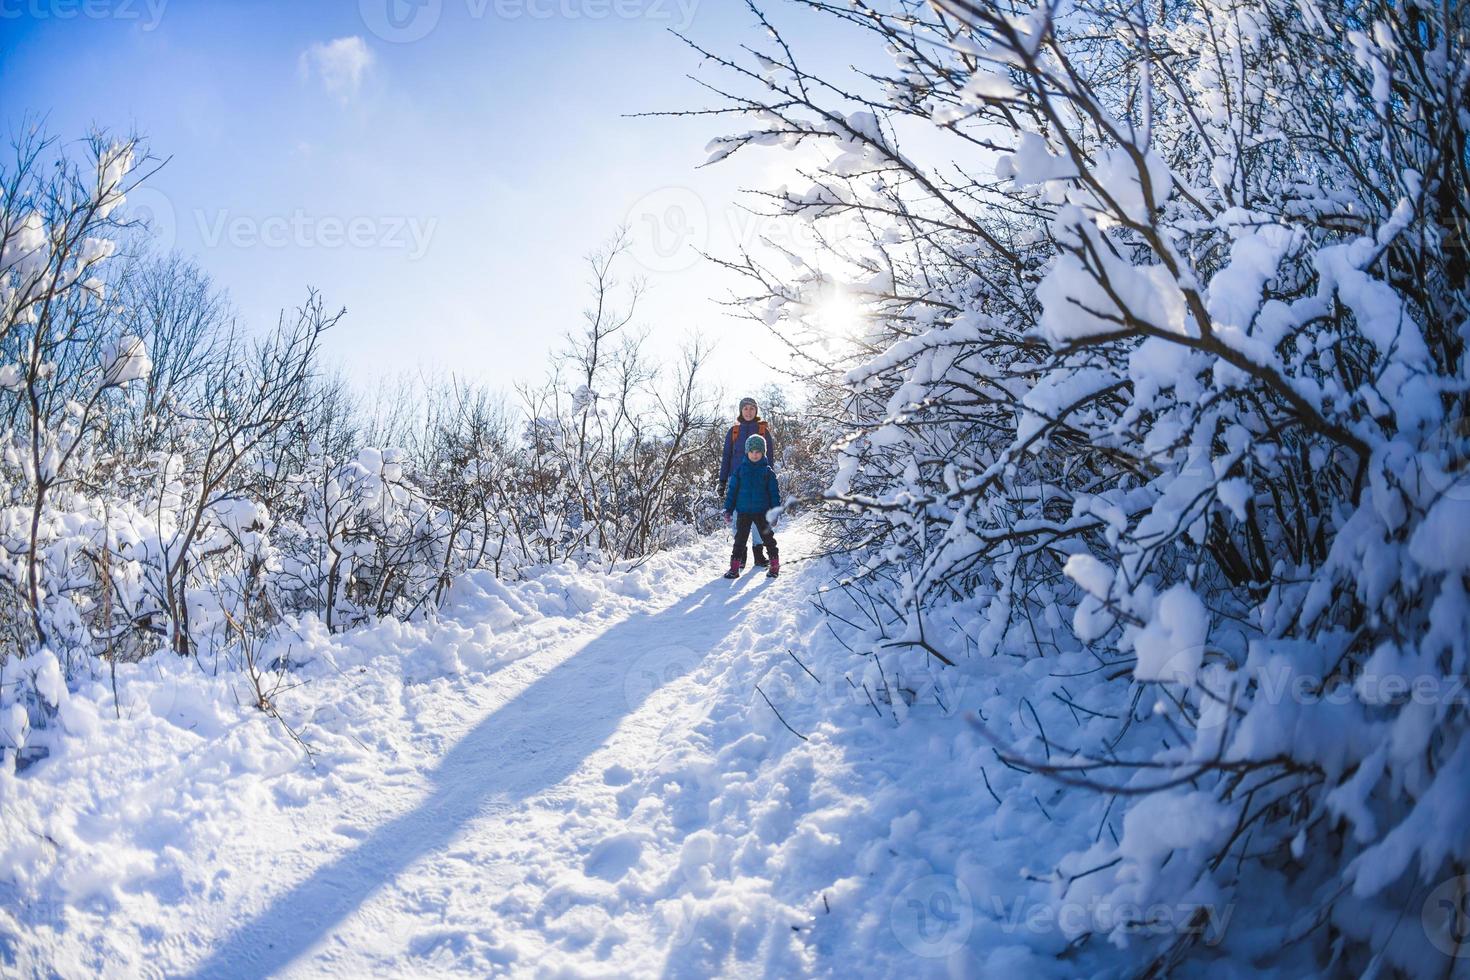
839,313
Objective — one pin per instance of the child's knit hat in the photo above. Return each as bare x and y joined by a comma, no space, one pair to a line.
755,444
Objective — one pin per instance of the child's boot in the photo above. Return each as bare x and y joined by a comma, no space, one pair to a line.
775,568
735,567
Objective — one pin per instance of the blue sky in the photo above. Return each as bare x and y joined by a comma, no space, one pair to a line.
440,172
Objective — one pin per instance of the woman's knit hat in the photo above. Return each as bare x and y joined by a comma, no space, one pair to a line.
755,444
748,401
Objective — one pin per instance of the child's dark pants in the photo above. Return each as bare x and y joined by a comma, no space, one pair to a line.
742,535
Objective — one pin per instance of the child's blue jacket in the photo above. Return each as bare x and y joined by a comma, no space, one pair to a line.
753,488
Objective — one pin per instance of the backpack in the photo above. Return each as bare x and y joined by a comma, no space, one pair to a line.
761,429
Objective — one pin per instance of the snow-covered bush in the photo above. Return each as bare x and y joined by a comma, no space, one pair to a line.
60,364
1162,359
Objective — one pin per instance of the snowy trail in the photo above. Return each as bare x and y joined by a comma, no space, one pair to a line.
574,775
498,795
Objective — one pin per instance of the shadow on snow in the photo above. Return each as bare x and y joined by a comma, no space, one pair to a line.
592,688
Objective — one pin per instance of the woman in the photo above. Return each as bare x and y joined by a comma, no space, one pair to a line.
748,424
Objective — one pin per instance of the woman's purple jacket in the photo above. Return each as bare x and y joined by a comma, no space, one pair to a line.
735,448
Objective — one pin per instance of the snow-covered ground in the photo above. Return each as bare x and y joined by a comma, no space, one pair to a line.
578,774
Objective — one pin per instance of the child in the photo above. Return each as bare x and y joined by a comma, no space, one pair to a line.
752,492
748,424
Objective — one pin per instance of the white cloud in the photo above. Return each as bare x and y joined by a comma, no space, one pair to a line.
339,64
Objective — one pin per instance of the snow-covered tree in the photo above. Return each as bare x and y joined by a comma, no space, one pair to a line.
1160,361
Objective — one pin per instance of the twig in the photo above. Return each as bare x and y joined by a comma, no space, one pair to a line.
986,776
778,715
803,666
1077,707
1045,742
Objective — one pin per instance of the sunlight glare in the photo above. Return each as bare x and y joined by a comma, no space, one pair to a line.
839,314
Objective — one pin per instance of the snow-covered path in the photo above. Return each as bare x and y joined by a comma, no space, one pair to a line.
528,788
510,788
577,774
